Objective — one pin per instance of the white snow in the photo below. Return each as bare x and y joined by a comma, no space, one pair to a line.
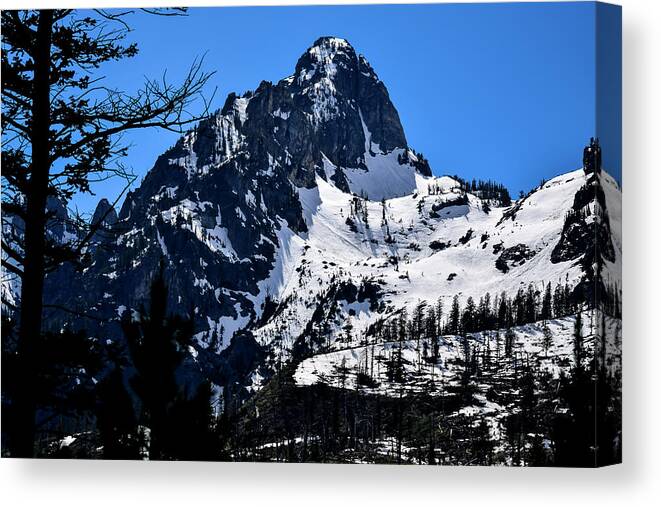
161,242
280,114
307,265
240,107
384,177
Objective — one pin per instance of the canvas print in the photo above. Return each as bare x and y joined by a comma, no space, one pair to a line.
385,234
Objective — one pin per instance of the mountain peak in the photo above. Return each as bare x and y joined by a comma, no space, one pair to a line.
104,212
333,117
328,48
324,60
336,43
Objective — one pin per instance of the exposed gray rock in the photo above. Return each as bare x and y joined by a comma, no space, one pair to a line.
513,256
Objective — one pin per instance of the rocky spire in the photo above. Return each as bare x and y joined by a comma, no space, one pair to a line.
341,86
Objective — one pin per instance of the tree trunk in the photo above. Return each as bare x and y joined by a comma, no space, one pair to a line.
22,439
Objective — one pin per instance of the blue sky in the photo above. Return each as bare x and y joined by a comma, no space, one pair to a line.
501,91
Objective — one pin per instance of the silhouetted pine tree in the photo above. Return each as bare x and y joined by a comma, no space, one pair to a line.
547,303
116,418
509,342
454,317
157,343
578,340
65,133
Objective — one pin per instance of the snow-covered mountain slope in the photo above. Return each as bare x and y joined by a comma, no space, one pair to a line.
412,249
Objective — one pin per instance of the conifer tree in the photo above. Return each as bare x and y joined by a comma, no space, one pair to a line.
559,309
454,317
509,342
503,311
531,304
439,317
158,343
547,303
578,340
547,338
520,307
60,133
468,317
116,418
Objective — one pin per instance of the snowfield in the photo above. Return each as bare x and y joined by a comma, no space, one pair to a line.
416,254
